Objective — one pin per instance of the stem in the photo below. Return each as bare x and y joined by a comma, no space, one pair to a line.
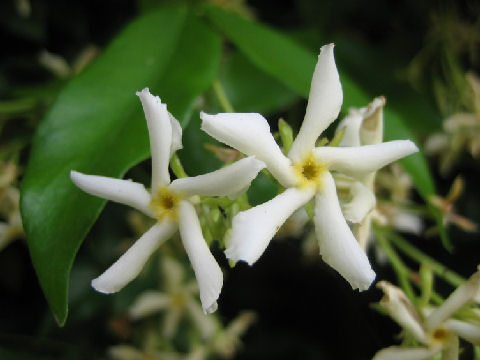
402,271
177,167
222,97
440,270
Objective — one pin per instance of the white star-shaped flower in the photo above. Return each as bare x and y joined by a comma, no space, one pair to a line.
169,203
305,173
438,331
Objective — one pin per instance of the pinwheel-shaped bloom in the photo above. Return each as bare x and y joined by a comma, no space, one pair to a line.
177,301
438,331
169,203
305,173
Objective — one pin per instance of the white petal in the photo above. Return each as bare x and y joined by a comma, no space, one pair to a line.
351,135
407,222
176,135
124,352
171,321
148,303
208,273
324,102
371,131
451,349
160,132
230,180
463,294
406,353
205,324
467,331
250,134
131,263
122,191
402,310
363,200
253,229
173,274
359,161
338,246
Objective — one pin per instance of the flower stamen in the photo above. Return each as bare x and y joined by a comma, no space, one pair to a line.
310,171
164,204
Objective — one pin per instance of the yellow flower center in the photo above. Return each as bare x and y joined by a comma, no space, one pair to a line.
164,204
310,171
178,300
440,334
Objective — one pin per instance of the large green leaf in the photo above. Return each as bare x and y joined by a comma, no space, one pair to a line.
96,126
293,65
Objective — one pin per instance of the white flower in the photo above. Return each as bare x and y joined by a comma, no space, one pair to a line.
305,173
177,301
437,332
168,203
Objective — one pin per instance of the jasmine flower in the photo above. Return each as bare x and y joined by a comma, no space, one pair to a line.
170,203
305,173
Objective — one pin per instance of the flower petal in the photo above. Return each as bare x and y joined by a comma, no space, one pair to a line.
253,229
351,135
250,134
465,293
171,320
402,310
359,161
148,303
176,135
208,273
406,353
129,265
338,246
228,181
207,325
160,132
362,201
467,331
122,191
324,102
451,349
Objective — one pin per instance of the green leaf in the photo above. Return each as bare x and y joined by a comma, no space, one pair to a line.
97,126
250,89
293,65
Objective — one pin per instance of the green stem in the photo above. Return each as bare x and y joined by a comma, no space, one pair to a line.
440,270
222,97
402,271
177,167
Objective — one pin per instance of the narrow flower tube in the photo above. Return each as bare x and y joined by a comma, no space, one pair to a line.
253,229
228,181
129,265
208,273
122,191
160,132
324,102
250,134
359,161
338,246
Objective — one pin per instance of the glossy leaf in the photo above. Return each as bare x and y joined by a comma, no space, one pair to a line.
293,65
97,126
